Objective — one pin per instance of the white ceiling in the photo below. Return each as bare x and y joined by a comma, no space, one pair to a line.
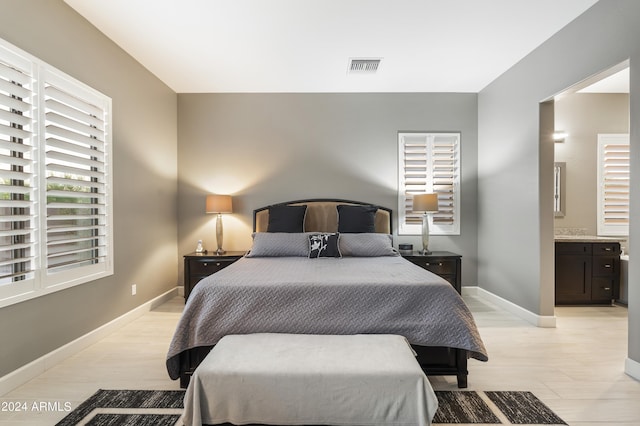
615,83
305,45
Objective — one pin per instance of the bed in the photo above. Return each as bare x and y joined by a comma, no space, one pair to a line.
327,267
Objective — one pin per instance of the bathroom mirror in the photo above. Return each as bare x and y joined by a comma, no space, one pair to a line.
559,188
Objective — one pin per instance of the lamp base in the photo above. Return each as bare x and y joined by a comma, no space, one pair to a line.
425,234
219,234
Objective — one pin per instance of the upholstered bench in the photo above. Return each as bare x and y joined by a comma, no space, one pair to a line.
296,379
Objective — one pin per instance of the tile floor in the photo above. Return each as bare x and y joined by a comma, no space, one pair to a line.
577,369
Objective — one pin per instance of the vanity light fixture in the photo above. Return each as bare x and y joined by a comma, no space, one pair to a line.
559,136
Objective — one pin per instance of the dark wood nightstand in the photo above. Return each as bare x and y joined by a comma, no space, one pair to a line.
443,263
200,265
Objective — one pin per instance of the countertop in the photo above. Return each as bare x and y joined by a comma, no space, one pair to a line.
587,239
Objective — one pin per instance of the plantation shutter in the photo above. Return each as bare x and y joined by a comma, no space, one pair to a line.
17,208
613,189
445,177
75,176
414,177
429,162
55,179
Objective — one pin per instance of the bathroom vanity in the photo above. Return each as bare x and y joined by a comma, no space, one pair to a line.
587,270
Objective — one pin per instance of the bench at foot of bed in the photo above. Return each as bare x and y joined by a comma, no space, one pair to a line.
310,379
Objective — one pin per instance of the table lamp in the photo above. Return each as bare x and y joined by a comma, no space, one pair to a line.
219,204
427,204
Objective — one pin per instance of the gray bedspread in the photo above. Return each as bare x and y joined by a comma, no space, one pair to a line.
351,295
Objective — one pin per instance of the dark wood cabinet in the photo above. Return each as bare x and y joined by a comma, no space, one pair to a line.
200,265
443,263
587,272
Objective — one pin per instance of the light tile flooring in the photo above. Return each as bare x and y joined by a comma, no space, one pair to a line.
577,369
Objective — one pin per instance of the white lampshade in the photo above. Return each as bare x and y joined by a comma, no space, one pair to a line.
219,204
425,203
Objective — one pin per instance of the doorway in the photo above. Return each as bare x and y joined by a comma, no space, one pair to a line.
591,178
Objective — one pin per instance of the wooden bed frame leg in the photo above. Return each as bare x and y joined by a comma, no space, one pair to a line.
185,378
461,361
462,381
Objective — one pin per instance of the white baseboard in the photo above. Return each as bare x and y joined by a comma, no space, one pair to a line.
35,368
520,312
632,368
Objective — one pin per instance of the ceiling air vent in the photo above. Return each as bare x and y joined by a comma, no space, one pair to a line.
363,66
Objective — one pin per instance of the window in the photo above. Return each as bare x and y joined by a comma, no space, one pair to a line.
55,180
429,162
613,184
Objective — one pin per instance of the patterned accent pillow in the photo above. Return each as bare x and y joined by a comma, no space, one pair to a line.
367,245
324,245
279,244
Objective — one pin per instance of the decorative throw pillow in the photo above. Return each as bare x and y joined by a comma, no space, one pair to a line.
286,218
279,244
367,245
324,245
356,219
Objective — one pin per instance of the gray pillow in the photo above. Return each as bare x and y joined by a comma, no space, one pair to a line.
366,245
277,244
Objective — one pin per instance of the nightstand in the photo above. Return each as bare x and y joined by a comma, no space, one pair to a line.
200,265
443,263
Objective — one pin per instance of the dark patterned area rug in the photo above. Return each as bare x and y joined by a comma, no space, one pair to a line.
523,408
163,408
463,407
128,407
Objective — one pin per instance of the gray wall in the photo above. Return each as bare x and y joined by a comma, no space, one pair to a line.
267,148
145,174
583,116
515,226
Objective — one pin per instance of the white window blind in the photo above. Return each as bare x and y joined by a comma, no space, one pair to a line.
613,184
75,176
55,193
17,175
429,162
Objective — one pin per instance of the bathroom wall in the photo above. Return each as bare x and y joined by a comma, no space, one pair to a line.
583,116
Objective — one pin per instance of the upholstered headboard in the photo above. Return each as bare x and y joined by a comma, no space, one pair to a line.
322,215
